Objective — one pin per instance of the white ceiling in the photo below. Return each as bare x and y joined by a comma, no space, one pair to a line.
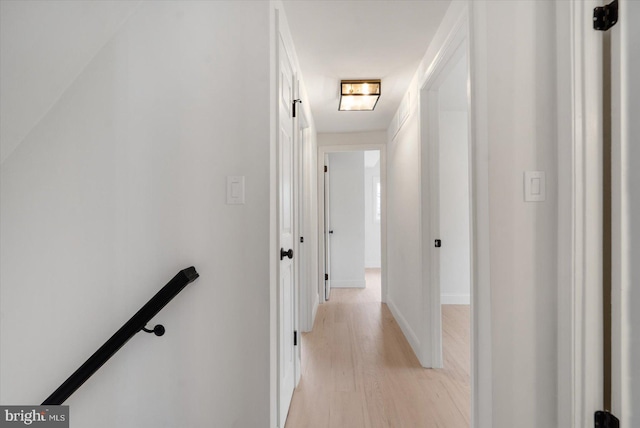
41,54
358,39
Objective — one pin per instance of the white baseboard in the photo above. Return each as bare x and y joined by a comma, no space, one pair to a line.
348,283
455,299
404,326
314,310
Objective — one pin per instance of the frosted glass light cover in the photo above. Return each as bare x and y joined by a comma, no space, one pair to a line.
359,95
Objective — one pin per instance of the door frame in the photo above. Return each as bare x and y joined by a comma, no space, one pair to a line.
306,279
322,151
625,156
326,198
580,205
467,32
452,51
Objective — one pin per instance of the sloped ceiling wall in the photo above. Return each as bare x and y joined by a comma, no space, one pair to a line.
44,46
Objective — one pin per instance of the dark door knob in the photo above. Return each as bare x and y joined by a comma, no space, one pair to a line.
284,253
331,232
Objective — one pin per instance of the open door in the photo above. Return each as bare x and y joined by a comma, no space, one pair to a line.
286,271
327,230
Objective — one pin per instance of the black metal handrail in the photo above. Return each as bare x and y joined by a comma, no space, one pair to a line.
137,323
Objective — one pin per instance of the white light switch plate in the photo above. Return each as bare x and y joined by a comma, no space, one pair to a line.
235,190
534,186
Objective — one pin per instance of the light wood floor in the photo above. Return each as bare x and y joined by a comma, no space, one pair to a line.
358,370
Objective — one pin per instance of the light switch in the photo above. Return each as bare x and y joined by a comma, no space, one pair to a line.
235,190
534,186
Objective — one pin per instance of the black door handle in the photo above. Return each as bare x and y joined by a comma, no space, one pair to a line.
331,232
284,253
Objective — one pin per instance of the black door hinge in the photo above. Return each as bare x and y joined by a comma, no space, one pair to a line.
295,338
294,106
605,17
326,277
604,419
325,168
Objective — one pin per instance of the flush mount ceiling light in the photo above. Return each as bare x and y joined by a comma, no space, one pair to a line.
359,95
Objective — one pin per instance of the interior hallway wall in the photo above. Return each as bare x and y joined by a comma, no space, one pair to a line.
404,247
514,87
120,185
372,237
455,253
455,268
516,110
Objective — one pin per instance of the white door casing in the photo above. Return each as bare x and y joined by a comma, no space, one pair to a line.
625,111
580,261
305,300
323,152
431,336
327,228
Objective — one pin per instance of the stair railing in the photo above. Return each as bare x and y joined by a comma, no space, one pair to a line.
137,323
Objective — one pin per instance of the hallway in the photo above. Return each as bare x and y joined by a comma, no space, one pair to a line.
358,370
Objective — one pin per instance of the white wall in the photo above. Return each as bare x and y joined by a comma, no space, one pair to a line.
404,251
372,239
455,268
514,86
515,108
352,138
120,185
346,170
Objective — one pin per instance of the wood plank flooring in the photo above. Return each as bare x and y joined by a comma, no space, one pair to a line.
358,370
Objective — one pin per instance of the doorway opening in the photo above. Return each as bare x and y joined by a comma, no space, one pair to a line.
369,182
352,219
448,219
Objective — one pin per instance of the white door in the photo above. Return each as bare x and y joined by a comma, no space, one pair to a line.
286,291
327,229
625,109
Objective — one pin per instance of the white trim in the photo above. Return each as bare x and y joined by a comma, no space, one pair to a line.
470,24
314,308
409,334
481,340
430,354
322,150
625,204
304,259
580,373
455,299
273,224
345,283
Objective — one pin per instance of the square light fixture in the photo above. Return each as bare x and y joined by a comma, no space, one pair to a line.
359,95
